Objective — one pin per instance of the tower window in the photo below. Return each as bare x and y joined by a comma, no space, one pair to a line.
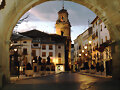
62,18
59,47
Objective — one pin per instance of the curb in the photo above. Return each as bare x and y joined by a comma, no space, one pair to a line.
32,77
93,75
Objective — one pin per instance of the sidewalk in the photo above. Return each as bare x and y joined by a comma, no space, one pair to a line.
23,77
95,75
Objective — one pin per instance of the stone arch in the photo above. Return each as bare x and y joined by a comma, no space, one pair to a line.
107,10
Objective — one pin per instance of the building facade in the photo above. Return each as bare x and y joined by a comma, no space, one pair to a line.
95,48
37,47
63,28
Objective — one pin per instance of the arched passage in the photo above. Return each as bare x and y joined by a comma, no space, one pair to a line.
107,10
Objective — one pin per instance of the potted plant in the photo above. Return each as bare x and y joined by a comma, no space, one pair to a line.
28,71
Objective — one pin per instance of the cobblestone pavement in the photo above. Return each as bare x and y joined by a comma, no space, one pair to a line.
65,81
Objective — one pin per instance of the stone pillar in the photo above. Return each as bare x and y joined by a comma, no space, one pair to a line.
4,63
116,60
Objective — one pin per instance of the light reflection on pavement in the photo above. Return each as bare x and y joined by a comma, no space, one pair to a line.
63,81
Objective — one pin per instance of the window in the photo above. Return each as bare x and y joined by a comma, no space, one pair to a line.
15,41
50,47
43,54
25,51
79,47
50,54
102,41
106,38
62,18
101,27
43,47
59,47
59,54
35,45
24,41
33,52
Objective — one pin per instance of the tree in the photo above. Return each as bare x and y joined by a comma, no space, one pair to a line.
28,66
48,60
23,19
39,60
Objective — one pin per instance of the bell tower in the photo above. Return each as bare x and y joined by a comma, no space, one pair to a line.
62,25
63,28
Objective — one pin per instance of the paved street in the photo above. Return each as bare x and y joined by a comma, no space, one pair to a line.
64,81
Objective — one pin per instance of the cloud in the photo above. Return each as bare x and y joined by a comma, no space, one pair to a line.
44,16
78,14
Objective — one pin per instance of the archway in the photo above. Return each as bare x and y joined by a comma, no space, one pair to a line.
12,11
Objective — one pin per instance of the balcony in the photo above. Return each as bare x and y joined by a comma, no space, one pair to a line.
95,35
103,45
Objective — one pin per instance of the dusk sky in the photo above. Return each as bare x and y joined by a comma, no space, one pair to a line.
43,17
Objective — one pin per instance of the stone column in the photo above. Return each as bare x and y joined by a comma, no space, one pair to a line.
4,63
116,60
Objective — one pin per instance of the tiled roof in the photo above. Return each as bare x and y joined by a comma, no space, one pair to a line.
44,37
18,36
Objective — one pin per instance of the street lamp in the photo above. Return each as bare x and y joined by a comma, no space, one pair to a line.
15,49
86,54
85,47
90,42
11,44
82,51
33,61
79,54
